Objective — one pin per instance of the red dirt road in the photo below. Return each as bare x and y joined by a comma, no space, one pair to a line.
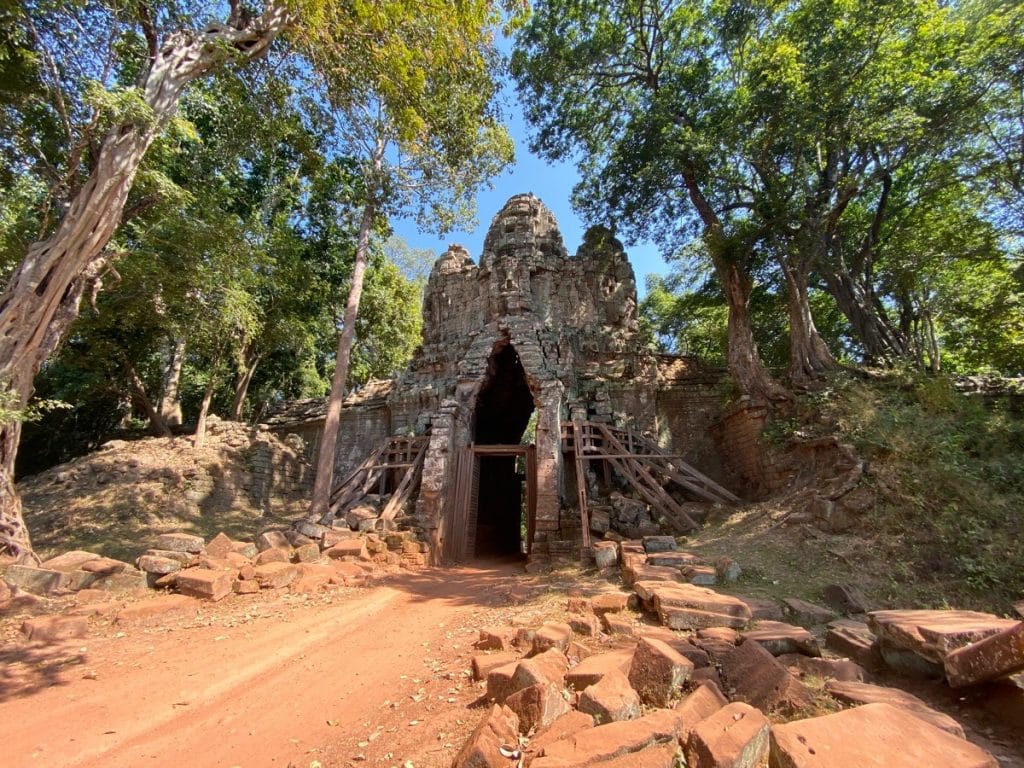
359,677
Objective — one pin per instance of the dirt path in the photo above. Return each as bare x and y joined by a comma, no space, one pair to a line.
365,677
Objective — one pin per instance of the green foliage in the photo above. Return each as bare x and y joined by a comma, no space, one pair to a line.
949,472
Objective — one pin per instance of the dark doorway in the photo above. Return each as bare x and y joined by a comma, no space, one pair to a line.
503,411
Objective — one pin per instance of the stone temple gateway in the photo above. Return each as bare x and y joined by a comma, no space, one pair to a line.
516,349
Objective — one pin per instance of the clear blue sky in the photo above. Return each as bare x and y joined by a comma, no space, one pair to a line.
551,183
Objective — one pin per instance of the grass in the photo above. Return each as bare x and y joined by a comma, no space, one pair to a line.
947,527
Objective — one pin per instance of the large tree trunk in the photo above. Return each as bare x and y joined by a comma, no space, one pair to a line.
809,356
170,397
43,294
324,479
882,342
156,423
242,382
744,360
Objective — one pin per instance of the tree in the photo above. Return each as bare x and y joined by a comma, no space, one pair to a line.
427,158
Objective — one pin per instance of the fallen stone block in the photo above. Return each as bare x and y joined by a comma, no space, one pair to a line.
677,641
215,564
755,677
348,548
606,554
50,629
240,587
274,575
187,559
871,736
309,529
778,638
501,682
933,634
736,736
158,565
845,598
572,722
826,669
537,706
593,668
220,546
691,597
678,560
547,667
727,569
307,553
854,639
764,609
106,566
38,581
659,544
204,583
691,618
611,699
702,575
78,580
273,555
585,625
610,602
701,704
577,604
864,693
180,542
616,624
806,614
272,540
657,672
998,655
597,745
553,634
68,561
495,639
632,573
499,727
245,549
483,663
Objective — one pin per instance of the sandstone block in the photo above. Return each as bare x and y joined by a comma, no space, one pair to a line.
553,634
185,558
348,548
702,575
631,573
547,667
826,669
483,663
609,602
538,705
853,639
871,736
612,740
205,583
245,549
577,604
158,565
38,581
659,544
500,682
701,704
272,540
569,724
273,555
240,587
307,553
857,693
154,607
845,598
49,629
677,560
69,561
611,699
606,554
736,736
274,575
593,668
758,679
778,638
727,569
657,672
585,625
220,546
180,542
806,614
332,536
933,634
495,639
996,656
498,727
616,624
106,566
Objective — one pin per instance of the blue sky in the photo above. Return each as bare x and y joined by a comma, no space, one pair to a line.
552,183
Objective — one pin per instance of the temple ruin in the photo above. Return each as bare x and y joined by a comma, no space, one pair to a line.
534,411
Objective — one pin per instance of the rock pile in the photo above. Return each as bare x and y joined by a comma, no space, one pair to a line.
213,569
713,685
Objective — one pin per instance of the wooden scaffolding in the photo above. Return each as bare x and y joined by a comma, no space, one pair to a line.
640,461
397,463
